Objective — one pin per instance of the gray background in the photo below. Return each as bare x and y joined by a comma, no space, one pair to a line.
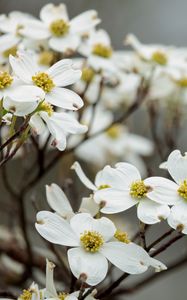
153,21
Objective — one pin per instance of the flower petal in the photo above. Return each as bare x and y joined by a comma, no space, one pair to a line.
177,166
24,66
76,166
64,98
150,212
35,30
50,287
63,73
93,265
88,205
163,190
20,109
55,229
114,200
84,22
85,222
51,12
129,258
8,41
131,173
110,176
178,217
57,200
69,42
26,93
37,124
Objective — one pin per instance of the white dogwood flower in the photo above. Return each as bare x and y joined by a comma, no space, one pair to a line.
91,239
118,189
64,35
99,51
52,81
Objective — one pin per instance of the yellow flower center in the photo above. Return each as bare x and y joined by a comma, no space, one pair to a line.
138,189
182,190
59,27
43,81
160,58
92,241
102,50
122,236
182,82
11,51
46,58
114,132
62,296
103,186
87,74
47,107
5,80
26,295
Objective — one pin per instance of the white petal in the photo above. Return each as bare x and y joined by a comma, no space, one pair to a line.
115,200
19,108
150,212
163,190
63,73
24,66
76,166
85,222
164,165
26,93
178,217
35,30
177,166
51,12
84,22
57,200
64,98
129,258
93,265
110,176
37,124
8,41
69,42
55,229
50,287
131,173
88,205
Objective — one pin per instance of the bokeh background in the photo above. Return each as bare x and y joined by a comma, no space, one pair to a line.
153,21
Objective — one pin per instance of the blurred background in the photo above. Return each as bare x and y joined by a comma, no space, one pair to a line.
152,21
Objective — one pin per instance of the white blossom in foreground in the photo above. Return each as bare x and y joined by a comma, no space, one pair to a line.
93,245
64,35
59,202
118,189
52,81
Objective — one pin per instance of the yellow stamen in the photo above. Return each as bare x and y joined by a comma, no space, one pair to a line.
47,107
87,74
43,81
62,296
139,189
114,132
182,190
11,51
102,50
59,27
92,241
46,58
160,58
182,82
122,236
5,80
26,295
